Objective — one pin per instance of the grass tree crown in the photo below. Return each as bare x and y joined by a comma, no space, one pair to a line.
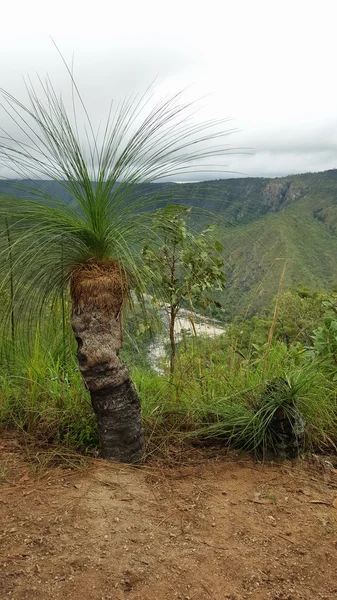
141,141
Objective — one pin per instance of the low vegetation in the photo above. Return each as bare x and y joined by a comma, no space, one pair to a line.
273,397
265,385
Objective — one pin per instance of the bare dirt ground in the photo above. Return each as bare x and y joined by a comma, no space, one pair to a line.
219,527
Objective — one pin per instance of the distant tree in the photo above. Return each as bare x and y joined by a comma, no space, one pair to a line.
184,267
325,340
299,313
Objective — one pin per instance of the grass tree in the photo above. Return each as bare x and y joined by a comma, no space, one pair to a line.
91,245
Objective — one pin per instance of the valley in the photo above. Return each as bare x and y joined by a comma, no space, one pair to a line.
262,224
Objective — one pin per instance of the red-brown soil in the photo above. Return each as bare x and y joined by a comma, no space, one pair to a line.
216,527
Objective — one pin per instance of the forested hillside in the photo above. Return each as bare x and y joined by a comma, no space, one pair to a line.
264,224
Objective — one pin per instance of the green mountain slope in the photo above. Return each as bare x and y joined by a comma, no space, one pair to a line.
272,229
256,254
298,233
264,224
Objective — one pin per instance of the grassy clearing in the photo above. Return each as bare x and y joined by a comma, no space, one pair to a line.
225,390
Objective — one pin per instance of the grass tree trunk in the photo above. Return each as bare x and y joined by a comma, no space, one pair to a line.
98,294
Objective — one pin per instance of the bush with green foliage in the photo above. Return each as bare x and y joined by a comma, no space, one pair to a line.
222,391
184,267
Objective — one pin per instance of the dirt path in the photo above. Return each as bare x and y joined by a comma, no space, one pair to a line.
221,529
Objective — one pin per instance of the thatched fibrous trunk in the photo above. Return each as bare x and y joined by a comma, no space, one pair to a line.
98,294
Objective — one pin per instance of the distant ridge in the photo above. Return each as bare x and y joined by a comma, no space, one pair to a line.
263,222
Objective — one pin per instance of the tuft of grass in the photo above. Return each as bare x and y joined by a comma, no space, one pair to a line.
47,402
218,395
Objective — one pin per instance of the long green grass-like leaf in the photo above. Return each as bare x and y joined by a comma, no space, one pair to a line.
142,141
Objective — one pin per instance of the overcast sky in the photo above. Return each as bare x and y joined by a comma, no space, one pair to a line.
268,65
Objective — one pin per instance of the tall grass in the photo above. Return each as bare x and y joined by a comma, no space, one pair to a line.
219,393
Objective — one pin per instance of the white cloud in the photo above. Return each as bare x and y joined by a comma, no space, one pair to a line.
268,65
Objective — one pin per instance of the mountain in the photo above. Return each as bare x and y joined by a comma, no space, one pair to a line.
273,230
28,188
